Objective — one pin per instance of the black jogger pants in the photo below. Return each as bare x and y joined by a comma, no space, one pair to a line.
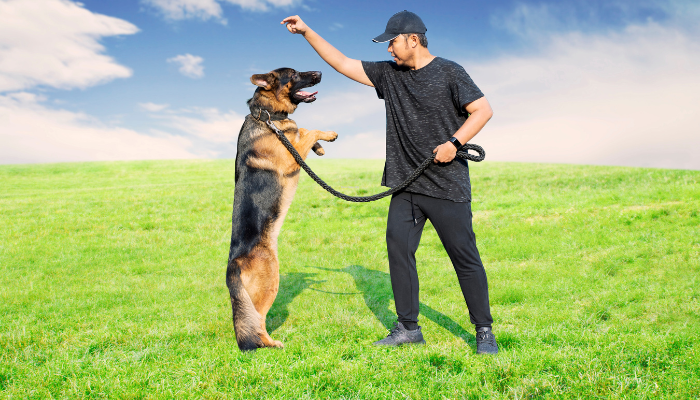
453,223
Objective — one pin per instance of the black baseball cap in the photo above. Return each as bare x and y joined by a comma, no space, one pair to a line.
401,22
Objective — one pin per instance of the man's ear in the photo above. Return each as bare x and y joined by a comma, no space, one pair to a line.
262,80
414,41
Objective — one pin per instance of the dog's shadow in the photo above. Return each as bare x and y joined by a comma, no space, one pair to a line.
291,286
375,287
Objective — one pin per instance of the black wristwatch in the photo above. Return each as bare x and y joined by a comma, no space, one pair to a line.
456,142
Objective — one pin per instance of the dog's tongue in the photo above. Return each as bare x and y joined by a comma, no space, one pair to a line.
306,96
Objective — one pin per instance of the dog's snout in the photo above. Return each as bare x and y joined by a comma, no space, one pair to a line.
316,75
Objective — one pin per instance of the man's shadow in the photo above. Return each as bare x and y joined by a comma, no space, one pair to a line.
375,287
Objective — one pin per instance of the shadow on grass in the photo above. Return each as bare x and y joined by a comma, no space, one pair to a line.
291,285
375,287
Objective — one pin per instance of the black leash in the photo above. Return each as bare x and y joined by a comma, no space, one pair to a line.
461,153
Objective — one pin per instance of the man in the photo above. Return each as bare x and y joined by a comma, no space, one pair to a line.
427,100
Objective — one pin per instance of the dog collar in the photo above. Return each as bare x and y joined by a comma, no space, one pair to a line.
273,116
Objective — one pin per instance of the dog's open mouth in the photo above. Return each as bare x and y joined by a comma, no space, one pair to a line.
305,97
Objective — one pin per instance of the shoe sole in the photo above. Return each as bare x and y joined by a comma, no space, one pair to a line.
397,345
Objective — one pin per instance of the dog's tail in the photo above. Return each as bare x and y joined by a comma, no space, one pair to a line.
246,320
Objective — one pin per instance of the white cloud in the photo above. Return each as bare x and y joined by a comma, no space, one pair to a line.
370,144
209,124
357,116
187,9
217,131
336,26
535,19
342,107
262,5
32,133
190,66
618,98
56,43
152,107
210,9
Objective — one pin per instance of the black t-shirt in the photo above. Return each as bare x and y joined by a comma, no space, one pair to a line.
424,108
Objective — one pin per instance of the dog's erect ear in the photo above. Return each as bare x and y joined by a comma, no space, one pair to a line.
262,80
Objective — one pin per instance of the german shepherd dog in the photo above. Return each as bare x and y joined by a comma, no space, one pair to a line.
266,180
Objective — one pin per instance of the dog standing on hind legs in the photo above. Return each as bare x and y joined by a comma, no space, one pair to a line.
266,180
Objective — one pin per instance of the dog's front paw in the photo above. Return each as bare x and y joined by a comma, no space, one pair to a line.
318,149
330,136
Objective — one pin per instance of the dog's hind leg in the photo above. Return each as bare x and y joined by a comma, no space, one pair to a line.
267,278
262,283
246,319
263,303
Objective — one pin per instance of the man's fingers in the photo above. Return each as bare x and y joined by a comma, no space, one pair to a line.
289,21
295,24
444,157
292,23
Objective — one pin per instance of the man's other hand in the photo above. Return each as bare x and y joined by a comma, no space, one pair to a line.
295,24
446,152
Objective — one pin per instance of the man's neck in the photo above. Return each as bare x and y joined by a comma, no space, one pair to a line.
422,58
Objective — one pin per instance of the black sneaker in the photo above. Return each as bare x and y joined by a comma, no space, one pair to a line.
486,341
400,335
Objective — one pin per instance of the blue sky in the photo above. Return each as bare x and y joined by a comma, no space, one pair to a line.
594,82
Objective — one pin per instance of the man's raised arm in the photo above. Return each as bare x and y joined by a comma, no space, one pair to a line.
346,66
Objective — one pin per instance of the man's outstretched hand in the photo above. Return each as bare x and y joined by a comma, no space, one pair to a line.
295,24
351,68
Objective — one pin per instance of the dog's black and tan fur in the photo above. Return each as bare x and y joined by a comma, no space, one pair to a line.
266,180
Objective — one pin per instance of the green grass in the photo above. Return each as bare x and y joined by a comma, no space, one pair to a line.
112,286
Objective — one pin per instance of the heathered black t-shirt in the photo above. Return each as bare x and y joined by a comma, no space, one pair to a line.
424,108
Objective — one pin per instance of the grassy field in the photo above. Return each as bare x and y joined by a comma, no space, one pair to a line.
112,286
